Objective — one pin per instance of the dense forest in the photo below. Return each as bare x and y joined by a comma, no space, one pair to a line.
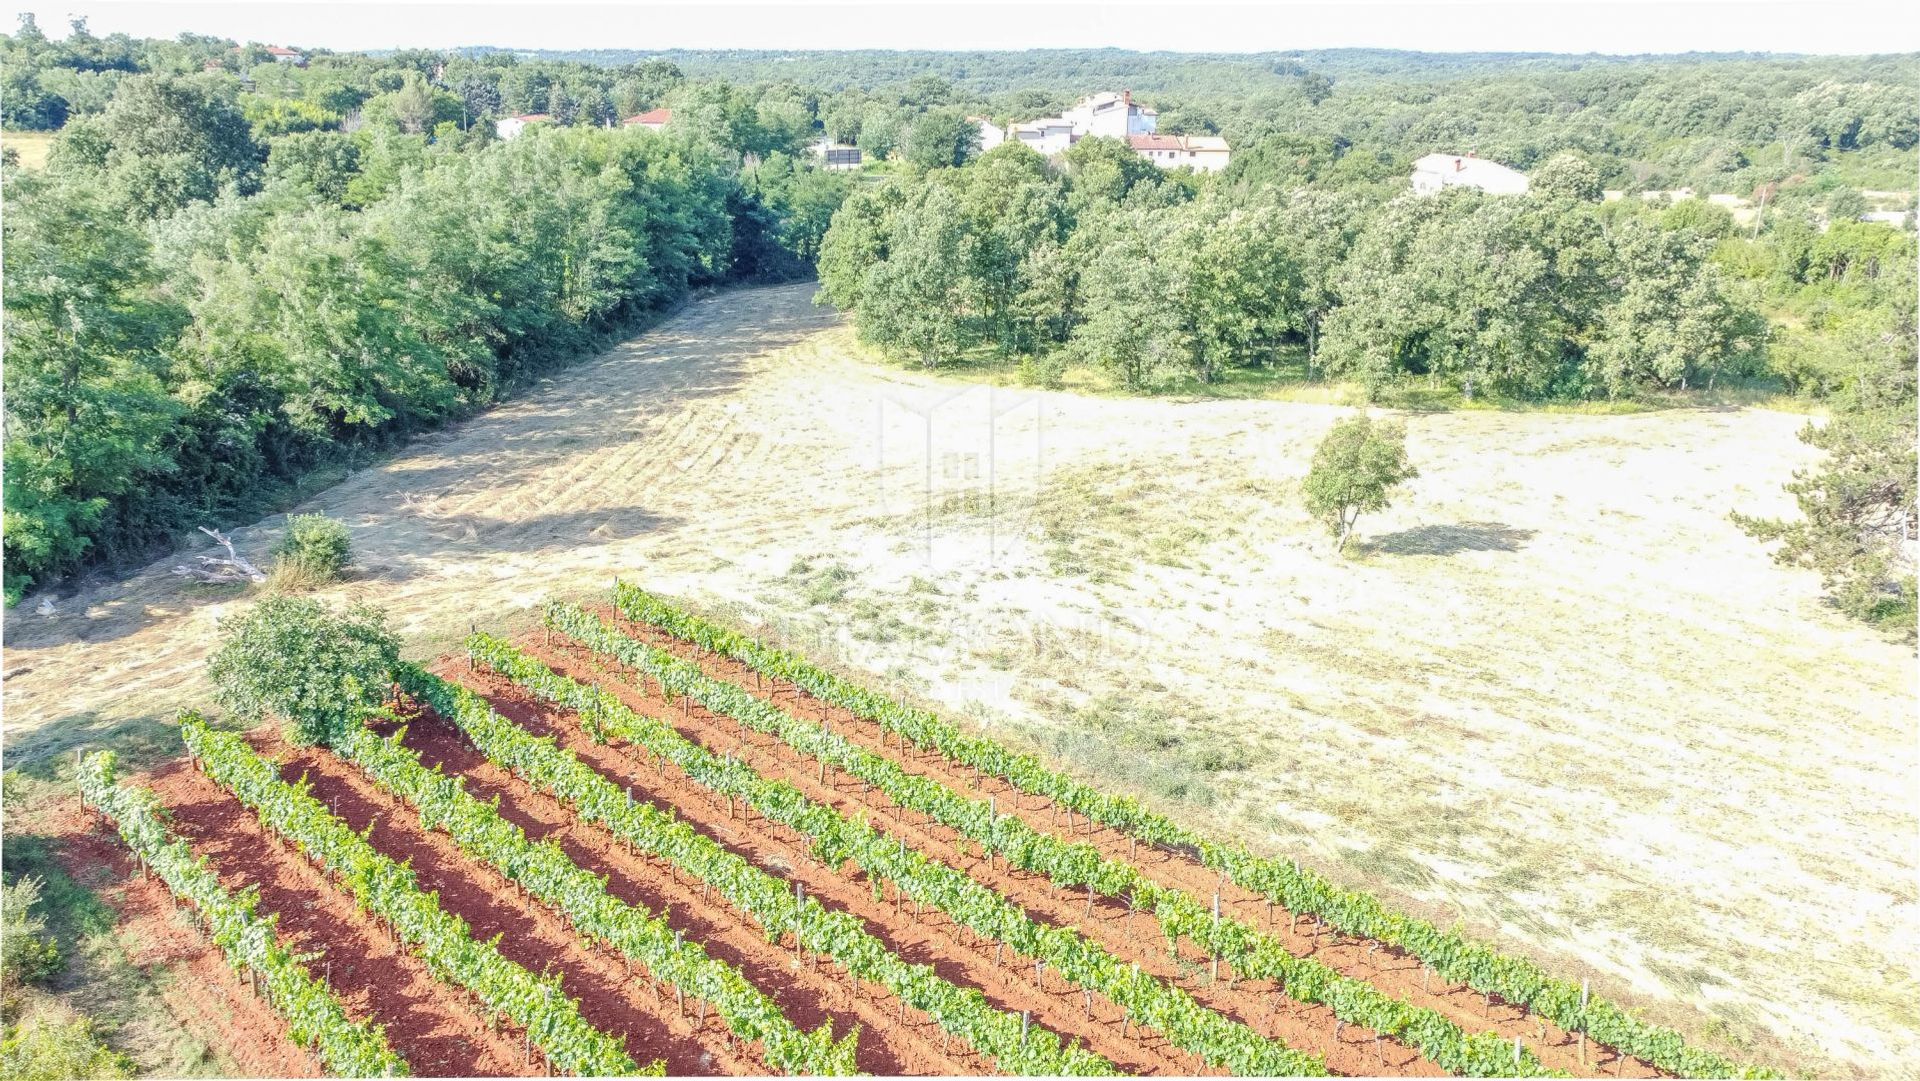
214,287
232,272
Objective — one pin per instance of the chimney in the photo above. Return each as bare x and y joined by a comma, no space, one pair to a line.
1458,165
1473,153
1126,98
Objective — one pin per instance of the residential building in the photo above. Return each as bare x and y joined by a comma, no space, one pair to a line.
652,120
991,134
510,127
1436,172
1201,153
1049,135
836,157
1110,115
279,55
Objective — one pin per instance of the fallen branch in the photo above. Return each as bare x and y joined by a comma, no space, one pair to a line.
215,570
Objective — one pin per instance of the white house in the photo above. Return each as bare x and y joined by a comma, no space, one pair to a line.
991,134
1114,116
510,127
652,120
1439,171
1201,153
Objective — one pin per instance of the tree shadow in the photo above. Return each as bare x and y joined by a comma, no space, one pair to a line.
1447,540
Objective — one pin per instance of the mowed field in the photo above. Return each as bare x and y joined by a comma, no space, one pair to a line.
1557,696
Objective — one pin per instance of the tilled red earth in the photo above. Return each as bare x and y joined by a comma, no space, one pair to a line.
1391,970
931,939
428,1024
807,995
440,1031
205,994
531,934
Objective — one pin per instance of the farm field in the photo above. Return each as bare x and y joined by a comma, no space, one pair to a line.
1617,778
609,805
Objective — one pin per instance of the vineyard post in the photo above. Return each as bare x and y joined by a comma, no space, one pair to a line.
1516,1051
1583,1020
1025,1019
1216,931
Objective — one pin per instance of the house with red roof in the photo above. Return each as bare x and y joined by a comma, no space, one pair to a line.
652,120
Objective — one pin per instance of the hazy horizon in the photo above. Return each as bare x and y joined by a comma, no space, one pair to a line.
1558,27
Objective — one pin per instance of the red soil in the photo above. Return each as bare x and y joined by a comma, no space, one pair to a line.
209,999
1314,1029
1393,971
427,1023
807,995
531,934
930,939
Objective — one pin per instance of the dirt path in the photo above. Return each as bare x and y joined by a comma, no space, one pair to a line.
1389,969
431,1027
808,996
1554,695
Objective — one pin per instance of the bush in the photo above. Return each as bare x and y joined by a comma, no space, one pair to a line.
46,1049
295,659
314,551
26,954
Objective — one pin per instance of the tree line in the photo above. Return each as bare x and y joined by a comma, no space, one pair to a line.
1161,278
200,313
1296,266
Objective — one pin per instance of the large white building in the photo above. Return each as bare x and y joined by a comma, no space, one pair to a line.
1436,172
1112,116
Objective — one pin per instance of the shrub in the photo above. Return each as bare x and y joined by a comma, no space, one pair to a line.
26,954
44,1048
296,659
1356,466
314,551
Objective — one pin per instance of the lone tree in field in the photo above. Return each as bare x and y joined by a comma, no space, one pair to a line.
315,669
1356,466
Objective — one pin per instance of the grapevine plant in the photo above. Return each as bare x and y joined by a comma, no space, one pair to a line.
1250,952
388,891
315,1018
1298,889
1147,1000
768,901
548,873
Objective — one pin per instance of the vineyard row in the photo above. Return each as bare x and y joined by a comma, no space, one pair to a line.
387,890
1299,890
1145,999
1250,952
315,1018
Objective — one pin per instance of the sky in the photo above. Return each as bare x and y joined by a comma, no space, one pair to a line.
1567,26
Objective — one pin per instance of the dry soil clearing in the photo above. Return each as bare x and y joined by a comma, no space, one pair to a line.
1557,696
